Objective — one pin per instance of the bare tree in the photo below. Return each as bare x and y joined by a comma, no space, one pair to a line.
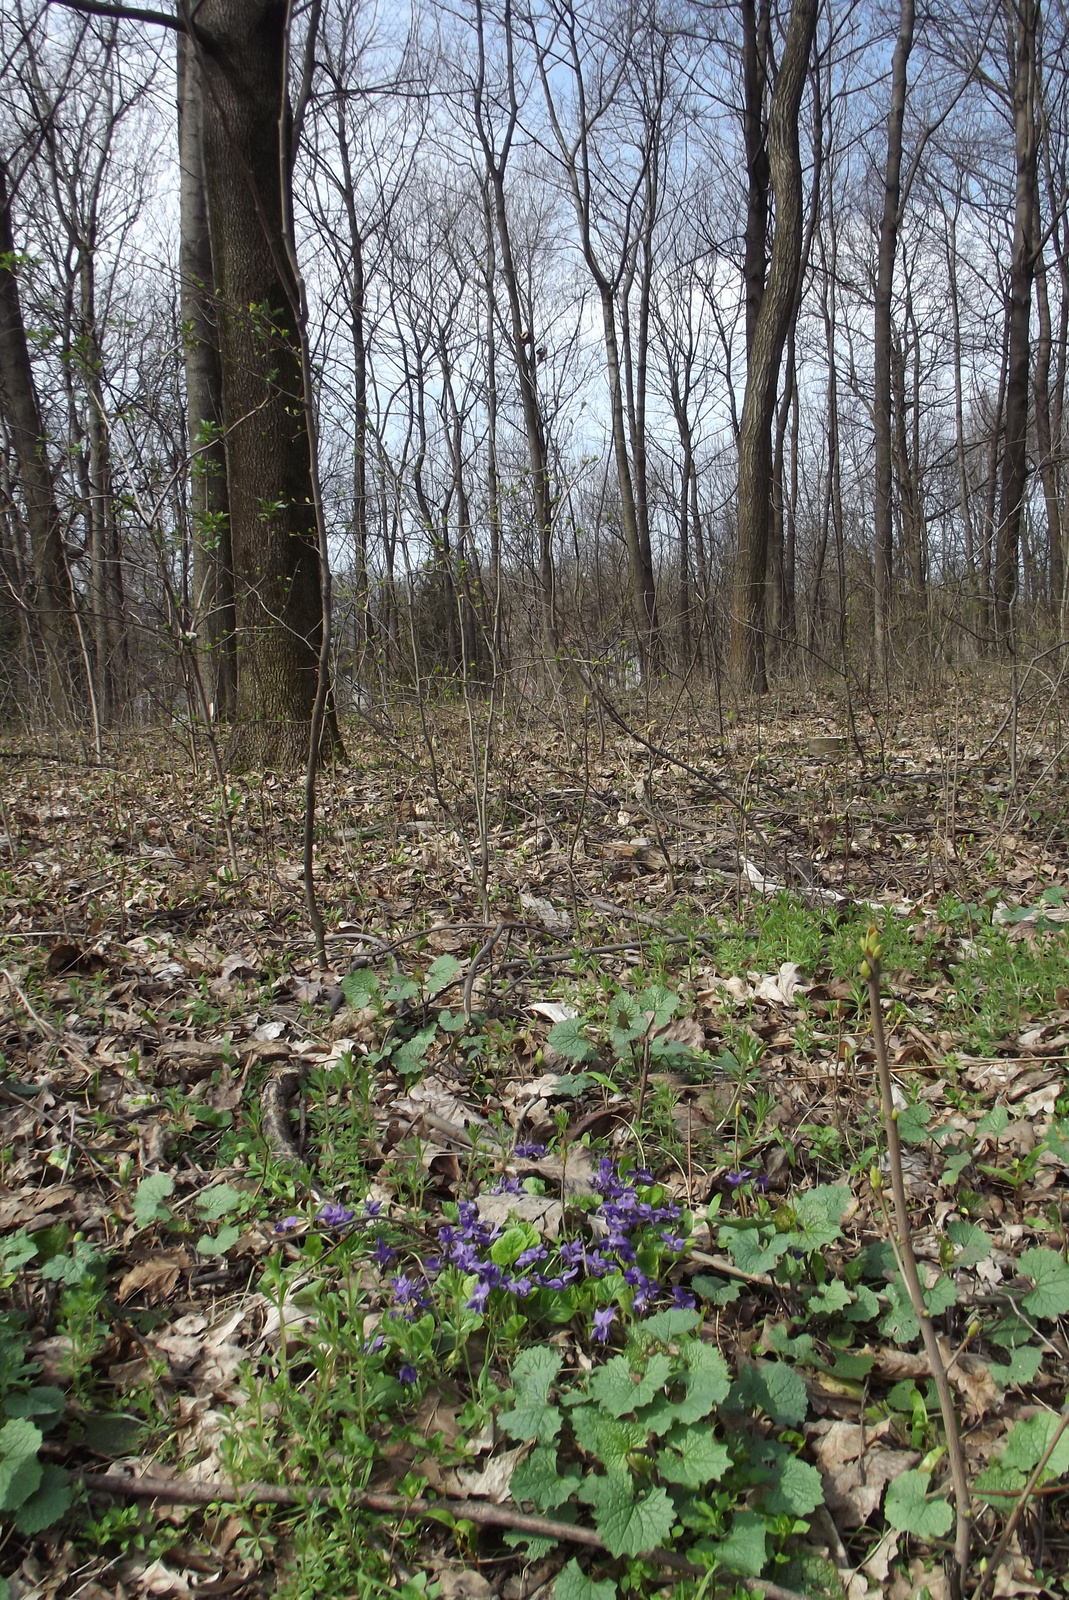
770,332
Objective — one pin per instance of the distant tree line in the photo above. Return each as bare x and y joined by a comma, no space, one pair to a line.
661,339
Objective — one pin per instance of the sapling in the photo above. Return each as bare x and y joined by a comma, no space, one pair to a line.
901,1243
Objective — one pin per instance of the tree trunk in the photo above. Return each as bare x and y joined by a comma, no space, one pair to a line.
52,599
1023,20
278,602
755,43
523,341
885,272
770,332
213,569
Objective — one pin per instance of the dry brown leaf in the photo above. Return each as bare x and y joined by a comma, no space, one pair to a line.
155,1277
854,1490
492,1481
838,1442
541,1211
972,1380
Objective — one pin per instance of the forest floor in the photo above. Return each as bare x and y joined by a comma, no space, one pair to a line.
540,1242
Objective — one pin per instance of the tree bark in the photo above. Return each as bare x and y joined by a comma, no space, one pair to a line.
52,600
885,272
770,332
213,568
278,601
755,46
1023,22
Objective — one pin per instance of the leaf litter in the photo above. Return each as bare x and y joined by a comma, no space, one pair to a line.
150,1001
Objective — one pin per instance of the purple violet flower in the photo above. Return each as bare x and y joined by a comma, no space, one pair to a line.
603,1321
372,1208
736,1179
683,1298
479,1298
334,1216
528,1150
383,1254
410,1294
408,1373
288,1224
507,1186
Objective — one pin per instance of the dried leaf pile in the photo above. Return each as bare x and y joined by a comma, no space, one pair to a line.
164,1020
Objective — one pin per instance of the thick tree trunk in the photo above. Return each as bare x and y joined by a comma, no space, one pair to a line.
755,43
278,601
885,272
52,600
770,332
1023,18
213,569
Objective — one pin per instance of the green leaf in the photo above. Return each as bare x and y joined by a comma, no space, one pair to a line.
218,1201
745,1550
913,1123
626,1023
664,1003
532,1417
20,1470
1025,1361
111,1433
818,1213
620,1390
971,1240
151,1191
1049,1273
954,1165
796,1488
1028,1442
692,1457
517,1238
830,1298
533,1545
706,1382
41,1401
865,1307
75,1268
628,1526
1058,1140
752,1248
16,1250
664,1326
907,1507
409,1059
718,1291
995,1123
540,1480
47,1504
223,1241
567,1039
440,974
573,1584
999,1484
360,988
610,1440
772,1387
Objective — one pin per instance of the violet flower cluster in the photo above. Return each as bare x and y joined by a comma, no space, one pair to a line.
623,1225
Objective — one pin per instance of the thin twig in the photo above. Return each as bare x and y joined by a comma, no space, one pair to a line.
991,1571
870,970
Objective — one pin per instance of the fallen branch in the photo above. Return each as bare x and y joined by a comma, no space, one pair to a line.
177,1491
275,1097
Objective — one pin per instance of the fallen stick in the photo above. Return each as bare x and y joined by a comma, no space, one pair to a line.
180,1492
